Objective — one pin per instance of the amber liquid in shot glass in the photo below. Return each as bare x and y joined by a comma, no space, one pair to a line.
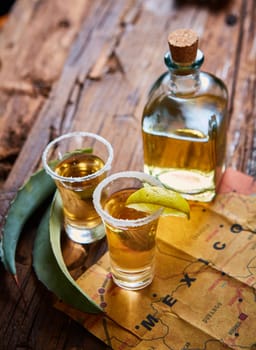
132,248
78,162
131,234
77,197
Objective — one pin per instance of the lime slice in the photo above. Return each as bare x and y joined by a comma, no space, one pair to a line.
151,198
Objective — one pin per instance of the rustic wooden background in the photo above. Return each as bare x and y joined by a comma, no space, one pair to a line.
88,65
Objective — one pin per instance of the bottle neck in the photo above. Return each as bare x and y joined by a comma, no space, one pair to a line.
184,79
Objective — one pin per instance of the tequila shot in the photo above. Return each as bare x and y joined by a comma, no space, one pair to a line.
78,162
131,234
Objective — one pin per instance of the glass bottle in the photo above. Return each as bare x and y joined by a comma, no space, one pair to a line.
184,123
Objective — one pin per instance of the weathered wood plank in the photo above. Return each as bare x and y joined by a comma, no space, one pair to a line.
53,115
59,104
33,47
242,131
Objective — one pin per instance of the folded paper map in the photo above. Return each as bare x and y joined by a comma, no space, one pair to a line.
203,296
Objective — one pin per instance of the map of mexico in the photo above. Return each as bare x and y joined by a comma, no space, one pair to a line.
203,296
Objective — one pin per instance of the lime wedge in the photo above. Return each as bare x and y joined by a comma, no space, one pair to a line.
151,198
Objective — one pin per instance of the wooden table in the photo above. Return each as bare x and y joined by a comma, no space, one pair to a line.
88,65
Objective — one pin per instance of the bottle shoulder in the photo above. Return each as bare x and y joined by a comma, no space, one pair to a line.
166,112
208,84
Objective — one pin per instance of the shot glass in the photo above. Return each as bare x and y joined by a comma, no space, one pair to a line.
131,234
77,162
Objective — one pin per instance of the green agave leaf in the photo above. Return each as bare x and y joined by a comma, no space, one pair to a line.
49,265
1,250
77,151
28,198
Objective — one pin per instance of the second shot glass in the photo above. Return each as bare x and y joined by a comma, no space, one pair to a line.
77,162
131,234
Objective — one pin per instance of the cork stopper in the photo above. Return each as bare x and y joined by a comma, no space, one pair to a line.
183,45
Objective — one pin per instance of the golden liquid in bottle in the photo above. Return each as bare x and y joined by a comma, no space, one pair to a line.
77,196
130,248
184,144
